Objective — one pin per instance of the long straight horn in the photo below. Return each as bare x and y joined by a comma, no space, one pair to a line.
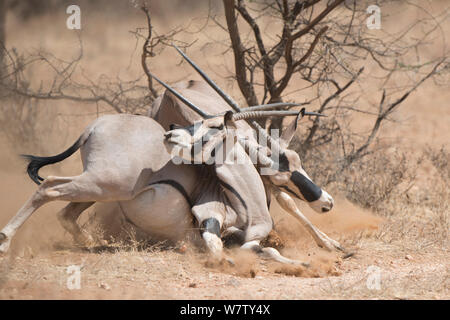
183,99
221,93
229,100
244,115
271,106
309,113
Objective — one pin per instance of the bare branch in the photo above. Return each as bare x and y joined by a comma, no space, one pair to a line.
385,112
147,51
290,65
316,20
239,54
315,126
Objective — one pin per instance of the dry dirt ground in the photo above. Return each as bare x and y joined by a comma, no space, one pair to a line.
36,267
168,275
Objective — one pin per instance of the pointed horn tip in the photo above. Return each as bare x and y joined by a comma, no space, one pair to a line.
262,114
307,113
179,96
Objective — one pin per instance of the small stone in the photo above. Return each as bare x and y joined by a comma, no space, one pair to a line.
408,257
192,285
182,249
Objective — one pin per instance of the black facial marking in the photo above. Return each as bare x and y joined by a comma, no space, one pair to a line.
309,190
191,129
283,163
210,133
210,225
197,147
217,147
193,149
174,126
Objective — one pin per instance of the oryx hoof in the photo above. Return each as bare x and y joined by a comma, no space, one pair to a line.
4,243
343,250
330,245
335,246
348,255
305,264
3,237
296,263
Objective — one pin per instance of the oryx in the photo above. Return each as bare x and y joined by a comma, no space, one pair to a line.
169,109
125,161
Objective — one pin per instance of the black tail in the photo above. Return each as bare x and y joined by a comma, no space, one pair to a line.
35,163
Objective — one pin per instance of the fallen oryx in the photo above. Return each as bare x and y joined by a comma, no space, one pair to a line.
170,108
124,160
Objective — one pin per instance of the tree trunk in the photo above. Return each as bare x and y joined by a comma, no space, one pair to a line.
239,54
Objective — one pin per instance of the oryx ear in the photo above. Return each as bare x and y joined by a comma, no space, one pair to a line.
228,120
289,132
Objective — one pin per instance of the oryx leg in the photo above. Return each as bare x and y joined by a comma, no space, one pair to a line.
210,229
257,232
210,221
322,240
271,253
68,218
233,236
81,188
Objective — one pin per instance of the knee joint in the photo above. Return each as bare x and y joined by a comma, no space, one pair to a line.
210,225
